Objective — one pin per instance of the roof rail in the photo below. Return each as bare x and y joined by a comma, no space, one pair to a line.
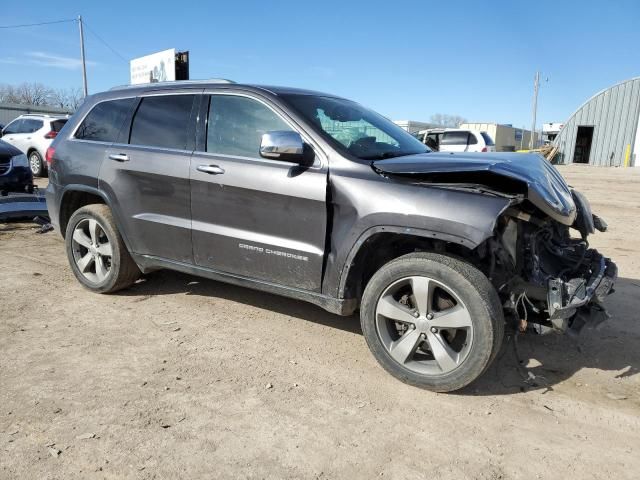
175,82
57,115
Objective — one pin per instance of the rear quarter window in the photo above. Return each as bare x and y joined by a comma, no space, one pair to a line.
487,139
57,125
104,121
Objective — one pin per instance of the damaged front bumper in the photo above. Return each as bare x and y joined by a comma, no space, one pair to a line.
578,302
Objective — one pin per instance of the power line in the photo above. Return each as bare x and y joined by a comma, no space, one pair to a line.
104,42
38,24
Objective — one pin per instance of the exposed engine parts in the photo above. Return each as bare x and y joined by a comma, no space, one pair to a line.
549,280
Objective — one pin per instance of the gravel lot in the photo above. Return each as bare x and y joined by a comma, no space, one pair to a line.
180,377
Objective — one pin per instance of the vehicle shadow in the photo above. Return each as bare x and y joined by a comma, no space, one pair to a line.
166,282
544,360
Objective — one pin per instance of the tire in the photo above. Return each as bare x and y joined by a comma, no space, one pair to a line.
37,165
90,237
444,336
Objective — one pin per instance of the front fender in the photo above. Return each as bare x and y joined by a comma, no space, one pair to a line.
363,207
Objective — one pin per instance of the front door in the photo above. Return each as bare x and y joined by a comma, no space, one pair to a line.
16,134
254,217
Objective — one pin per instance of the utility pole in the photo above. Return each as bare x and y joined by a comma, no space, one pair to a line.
84,64
536,86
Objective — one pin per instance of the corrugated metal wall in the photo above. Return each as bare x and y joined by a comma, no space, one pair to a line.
9,111
614,115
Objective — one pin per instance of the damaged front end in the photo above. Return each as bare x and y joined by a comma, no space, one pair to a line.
553,281
549,279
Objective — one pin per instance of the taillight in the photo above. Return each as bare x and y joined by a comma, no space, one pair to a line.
484,149
51,134
49,155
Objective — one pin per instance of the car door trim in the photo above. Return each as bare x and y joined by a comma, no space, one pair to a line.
339,306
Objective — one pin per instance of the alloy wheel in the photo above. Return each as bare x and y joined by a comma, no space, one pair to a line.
424,326
92,250
35,164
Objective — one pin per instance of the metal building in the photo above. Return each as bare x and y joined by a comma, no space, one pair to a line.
9,111
604,131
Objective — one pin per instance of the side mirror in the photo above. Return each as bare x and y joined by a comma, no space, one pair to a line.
286,146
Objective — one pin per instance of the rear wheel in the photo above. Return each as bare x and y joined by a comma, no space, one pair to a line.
36,164
97,255
432,321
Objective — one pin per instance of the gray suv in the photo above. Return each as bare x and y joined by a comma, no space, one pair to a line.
317,198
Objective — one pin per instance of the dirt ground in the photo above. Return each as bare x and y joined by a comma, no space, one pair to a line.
180,377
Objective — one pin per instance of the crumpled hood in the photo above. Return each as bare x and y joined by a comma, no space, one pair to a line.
546,188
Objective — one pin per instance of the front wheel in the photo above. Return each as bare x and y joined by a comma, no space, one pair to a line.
36,164
432,321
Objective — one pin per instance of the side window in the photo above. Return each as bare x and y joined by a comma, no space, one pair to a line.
162,121
432,141
31,125
104,121
236,125
454,138
13,127
472,138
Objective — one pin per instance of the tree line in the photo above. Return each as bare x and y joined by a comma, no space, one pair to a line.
38,94
446,120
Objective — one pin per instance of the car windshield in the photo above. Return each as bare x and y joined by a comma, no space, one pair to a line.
355,130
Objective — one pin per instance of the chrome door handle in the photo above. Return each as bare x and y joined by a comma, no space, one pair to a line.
119,157
210,169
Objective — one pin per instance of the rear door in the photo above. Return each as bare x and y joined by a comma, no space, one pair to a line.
30,128
254,217
147,175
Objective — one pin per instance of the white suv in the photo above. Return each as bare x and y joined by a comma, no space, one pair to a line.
33,134
456,140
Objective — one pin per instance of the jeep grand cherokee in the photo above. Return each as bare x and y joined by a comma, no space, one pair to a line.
315,197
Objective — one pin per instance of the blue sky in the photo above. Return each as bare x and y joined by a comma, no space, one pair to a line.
405,59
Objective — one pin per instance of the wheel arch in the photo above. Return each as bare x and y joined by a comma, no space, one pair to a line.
76,196
381,244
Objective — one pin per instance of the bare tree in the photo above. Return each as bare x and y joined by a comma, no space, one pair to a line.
447,120
37,94
8,94
33,94
69,98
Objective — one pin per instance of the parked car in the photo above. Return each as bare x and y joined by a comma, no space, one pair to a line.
15,174
33,134
456,140
318,198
